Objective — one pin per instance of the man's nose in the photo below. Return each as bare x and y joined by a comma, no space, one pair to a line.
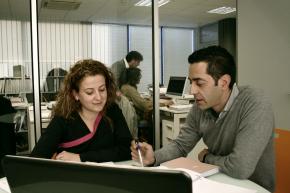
193,89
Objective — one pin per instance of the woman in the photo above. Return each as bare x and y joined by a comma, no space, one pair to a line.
87,125
129,80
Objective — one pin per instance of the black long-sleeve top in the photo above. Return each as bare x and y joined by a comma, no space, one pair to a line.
111,141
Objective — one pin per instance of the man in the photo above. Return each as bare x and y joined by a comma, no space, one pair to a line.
236,123
132,60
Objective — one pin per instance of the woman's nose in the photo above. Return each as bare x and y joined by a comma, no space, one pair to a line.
97,95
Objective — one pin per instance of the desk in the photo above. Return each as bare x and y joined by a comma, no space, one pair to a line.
223,178
219,177
171,122
45,119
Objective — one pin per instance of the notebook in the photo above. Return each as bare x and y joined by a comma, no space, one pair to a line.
34,175
202,168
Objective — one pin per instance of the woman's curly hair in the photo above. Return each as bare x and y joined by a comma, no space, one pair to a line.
66,103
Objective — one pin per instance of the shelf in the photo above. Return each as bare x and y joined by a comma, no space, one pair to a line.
11,78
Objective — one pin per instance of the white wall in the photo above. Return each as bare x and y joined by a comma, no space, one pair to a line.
264,51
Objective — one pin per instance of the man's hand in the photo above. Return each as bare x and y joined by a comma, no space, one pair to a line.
67,156
202,154
147,153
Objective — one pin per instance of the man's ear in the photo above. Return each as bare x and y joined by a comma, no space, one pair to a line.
224,81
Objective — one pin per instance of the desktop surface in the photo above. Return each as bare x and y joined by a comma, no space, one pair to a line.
35,175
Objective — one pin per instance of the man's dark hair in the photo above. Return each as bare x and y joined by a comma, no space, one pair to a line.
219,60
134,55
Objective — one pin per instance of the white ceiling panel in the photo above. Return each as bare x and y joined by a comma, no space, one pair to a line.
181,13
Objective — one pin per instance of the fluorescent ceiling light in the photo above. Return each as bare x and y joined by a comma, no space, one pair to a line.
222,10
147,3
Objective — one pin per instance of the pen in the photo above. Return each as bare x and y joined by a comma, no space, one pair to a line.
139,152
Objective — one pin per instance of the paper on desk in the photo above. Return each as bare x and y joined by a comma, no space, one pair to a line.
204,185
4,185
199,183
209,186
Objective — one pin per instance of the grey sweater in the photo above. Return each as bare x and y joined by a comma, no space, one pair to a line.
240,141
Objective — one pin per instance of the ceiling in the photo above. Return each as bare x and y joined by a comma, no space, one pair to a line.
178,13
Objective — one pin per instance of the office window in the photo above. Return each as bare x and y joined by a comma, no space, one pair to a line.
177,46
61,45
141,41
109,42
15,57
15,46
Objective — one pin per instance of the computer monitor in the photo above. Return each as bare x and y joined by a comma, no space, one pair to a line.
178,87
34,175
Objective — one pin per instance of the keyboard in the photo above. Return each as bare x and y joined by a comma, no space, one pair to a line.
180,107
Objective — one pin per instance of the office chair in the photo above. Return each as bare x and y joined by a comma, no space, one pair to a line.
282,142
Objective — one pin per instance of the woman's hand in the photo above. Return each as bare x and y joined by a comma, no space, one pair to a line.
67,156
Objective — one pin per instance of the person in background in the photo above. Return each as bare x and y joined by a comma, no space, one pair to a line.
86,123
132,60
235,122
129,80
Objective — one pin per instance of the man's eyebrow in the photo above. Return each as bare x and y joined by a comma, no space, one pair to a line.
197,79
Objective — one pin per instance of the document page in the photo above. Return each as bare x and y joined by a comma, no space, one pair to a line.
203,185
4,185
209,186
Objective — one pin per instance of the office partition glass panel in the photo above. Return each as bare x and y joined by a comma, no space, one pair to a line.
61,44
176,51
71,31
141,41
16,93
109,42
183,23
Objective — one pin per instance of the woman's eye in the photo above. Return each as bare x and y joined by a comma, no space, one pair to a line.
102,89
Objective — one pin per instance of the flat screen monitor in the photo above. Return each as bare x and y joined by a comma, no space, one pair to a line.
34,175
177,86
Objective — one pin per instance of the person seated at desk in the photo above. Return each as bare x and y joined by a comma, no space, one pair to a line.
129,80
235,122
128,87
87,125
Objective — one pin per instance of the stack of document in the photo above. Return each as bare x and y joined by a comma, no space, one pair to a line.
178,107
202,168
4,187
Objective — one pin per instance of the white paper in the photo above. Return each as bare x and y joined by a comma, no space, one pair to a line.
4,185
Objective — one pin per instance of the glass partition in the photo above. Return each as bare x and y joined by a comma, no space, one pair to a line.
104,30
16,93
186,27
